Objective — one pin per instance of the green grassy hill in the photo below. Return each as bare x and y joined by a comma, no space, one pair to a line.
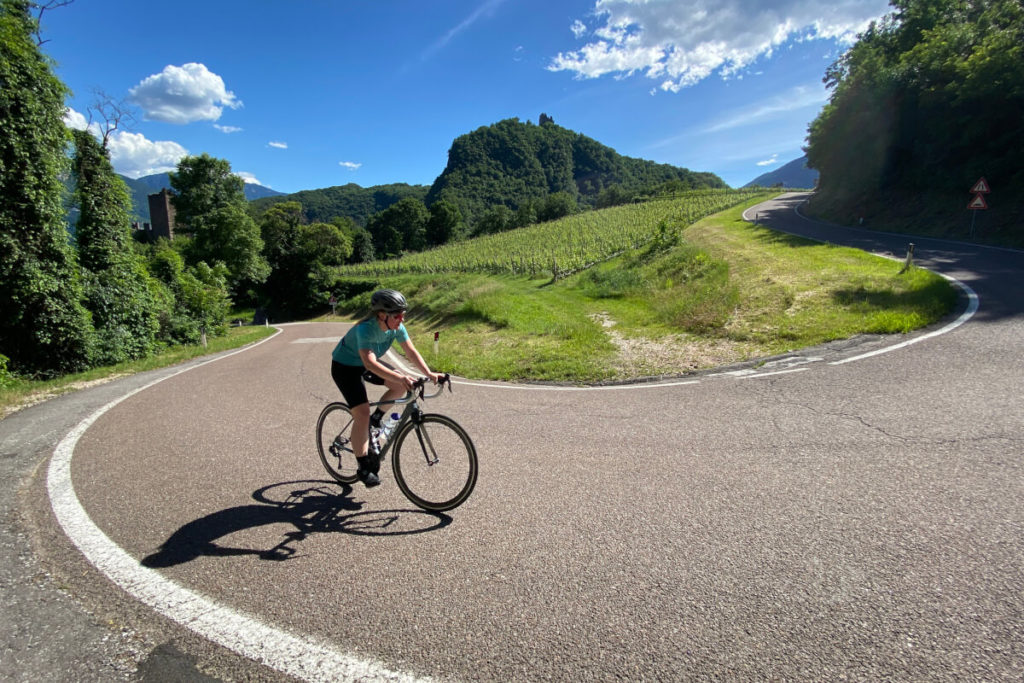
662,288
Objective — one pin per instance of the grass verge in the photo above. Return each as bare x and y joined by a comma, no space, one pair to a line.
717,292
21,393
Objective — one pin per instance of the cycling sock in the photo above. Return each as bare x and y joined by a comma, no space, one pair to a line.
377,416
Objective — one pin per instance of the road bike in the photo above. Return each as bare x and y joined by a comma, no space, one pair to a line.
432,456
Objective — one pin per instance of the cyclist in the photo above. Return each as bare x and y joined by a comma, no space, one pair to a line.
357,357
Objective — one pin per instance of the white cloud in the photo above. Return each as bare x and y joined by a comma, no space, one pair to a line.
484,10
77,121
131,154
578,28
134,156
769,162
227,129
793,99
182,94
278,145
248,178
350,165
682,43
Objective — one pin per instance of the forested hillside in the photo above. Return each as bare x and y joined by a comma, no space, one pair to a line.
351,200
508,167
511,163
925,103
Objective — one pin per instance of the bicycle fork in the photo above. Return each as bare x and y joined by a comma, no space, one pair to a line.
429,452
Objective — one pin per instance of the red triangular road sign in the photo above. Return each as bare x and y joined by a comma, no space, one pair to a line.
978,202
981,186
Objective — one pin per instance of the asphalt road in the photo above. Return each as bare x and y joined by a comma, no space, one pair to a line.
850,511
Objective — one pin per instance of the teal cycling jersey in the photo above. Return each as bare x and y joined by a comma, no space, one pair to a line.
367,335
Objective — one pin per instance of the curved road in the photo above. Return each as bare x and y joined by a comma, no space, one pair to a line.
852,511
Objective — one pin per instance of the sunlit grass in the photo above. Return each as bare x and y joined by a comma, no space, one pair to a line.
727,292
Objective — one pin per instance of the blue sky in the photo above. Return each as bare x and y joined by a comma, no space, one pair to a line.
307,94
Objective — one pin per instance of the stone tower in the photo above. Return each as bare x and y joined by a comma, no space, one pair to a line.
161,214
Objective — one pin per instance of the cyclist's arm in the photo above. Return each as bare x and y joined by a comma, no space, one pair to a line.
412,354
371,363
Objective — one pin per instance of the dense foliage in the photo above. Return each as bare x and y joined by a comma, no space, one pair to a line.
302,257
929,99
118,289
211,207
353,201
512,164
45,329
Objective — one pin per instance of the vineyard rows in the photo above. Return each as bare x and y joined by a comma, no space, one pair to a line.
560,247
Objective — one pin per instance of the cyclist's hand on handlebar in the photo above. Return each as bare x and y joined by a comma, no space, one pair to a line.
409,382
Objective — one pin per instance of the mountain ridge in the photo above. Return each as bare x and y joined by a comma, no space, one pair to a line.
792,174
141,188
511,164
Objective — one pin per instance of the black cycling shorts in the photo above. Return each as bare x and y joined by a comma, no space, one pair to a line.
349,379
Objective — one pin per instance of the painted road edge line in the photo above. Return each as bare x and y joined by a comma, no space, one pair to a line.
972,297
302,657
972,308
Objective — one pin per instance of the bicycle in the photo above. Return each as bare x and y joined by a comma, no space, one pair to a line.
436,470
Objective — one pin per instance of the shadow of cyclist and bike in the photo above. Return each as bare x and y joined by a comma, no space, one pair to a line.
311,507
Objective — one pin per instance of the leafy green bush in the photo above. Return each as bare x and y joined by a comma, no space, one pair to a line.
6,378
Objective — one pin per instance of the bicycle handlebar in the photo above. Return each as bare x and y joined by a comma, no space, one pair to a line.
420,386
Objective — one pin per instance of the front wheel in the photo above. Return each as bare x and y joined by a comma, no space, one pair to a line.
435,463
334,442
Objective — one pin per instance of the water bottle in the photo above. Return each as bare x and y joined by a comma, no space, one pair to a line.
388,427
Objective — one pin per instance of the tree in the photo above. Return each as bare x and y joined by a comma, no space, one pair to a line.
496,219
928,99
210,205
45,329
279,229
557,205
401,226
117,288
445,223
194,299
302,257
613,195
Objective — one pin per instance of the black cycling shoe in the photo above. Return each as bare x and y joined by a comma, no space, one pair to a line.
369,479
367,472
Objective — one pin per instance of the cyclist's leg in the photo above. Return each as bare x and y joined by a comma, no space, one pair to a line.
394,389
350,381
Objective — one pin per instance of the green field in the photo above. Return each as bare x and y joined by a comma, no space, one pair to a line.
643,291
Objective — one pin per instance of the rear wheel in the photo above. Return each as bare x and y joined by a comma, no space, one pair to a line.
435,463
334,442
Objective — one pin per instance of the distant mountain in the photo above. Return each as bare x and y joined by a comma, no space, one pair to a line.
511,162
507,163
141,188
354,201
793,174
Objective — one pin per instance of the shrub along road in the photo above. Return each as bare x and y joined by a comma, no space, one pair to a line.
829,514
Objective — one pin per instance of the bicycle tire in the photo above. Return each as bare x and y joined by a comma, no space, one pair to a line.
334,442
445,484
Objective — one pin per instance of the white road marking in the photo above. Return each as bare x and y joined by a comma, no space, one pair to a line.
972,297
611,387
972,307
759,375
300,656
